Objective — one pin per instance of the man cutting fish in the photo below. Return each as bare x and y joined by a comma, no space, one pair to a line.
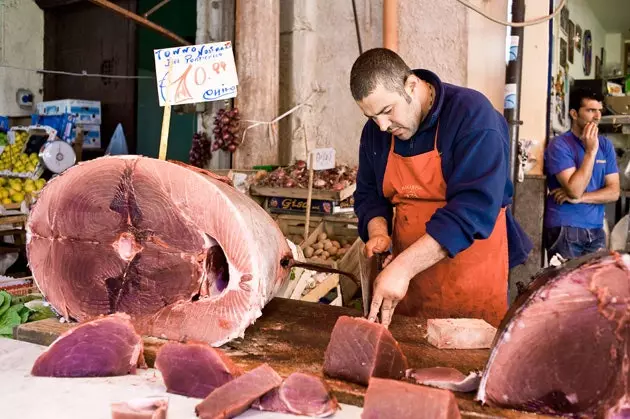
439,155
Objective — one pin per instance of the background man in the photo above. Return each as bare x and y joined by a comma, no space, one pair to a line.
582,175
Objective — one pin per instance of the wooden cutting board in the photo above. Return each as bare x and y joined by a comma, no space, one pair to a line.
292,336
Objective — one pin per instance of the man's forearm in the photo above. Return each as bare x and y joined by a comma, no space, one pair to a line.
601,196
579,180
377,226
421,255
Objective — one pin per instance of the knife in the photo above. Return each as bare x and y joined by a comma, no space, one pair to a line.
369,268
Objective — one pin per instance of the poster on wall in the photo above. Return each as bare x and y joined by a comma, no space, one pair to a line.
560,101
563,53
588,52
571,41
598,68
564,19
578,38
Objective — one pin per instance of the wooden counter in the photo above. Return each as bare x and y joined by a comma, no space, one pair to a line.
293,335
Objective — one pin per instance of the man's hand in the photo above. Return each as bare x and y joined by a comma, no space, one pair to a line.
377,244
590,137
390,287
560,196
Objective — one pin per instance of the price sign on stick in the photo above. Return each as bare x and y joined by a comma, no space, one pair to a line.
195,73
318,159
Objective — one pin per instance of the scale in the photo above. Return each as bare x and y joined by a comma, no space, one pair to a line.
57,156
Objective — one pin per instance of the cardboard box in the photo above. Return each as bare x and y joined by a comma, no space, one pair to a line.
91,135
83,111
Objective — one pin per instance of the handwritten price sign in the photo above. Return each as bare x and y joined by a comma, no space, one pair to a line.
198,73
323,158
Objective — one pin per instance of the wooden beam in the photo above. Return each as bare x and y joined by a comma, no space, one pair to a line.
257,50
139,19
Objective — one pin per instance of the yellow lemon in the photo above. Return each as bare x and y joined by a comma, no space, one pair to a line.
40,183
17,187
6,201
17,197
29,188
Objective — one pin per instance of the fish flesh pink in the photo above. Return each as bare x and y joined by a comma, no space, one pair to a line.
194,369
185,254
236,396
300,394
141,408
446,378
360,349
387,398
104,347
563,347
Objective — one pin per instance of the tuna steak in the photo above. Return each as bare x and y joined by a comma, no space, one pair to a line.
563,347
182,252
235,397
360,349
397,399
194,369
100,348
300,394
141,408
446,378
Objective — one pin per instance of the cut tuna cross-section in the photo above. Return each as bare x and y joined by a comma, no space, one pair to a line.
104,347
185,254
359,349
564,346
194,369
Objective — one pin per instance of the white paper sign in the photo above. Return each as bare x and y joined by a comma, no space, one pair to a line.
323,158
199,73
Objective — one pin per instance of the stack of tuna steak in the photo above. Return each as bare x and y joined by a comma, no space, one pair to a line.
186,255
564,346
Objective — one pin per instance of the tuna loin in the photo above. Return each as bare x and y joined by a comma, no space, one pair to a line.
104,347
185,254
360,349
194,369
446,378
397,399
300,394
563,348
141,408
237,396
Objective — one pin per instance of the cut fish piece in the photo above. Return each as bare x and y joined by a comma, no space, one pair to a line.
460,333
141,408
300,394
360,349
569,334
237,396
194,369
400,400
104,347
186,255
446,378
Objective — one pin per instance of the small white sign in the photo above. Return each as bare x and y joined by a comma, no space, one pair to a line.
323,158
199,73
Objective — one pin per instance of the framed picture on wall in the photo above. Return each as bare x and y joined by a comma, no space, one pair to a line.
563,53
598,68
564,19
578,38
588,53
571,41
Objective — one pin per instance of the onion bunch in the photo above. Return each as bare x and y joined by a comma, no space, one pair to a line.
226,130
199,153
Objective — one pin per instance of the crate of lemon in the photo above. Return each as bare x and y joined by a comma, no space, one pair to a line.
16,191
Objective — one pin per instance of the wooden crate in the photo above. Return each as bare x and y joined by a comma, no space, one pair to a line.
292,226
321,194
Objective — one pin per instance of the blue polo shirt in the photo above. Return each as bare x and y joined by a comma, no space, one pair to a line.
473,142
566,151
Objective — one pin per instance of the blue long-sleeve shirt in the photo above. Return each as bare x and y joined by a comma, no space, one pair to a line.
474,144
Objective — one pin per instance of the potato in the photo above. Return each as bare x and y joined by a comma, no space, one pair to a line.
322,237
308,252
318,252
342,252
328,246
336,244
318,246
325,254
332,251
324,257
346,246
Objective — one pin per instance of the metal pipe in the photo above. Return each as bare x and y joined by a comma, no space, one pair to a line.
513,73
390,24
155,8
139,19
356,26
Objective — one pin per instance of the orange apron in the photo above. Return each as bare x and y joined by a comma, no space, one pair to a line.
474,283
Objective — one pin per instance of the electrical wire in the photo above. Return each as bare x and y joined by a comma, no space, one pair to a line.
68,73
535,21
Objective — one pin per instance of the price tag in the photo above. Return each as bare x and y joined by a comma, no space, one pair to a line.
323,158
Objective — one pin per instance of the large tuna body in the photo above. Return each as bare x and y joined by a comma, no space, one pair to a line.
564,346
186,255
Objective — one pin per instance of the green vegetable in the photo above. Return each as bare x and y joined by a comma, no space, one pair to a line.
8,321
6,302
17,310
